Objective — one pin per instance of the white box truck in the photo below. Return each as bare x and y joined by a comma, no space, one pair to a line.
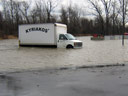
46,34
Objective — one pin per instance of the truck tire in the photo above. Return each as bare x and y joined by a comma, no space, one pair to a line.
69,47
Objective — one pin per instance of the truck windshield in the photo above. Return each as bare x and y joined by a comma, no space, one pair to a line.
70,37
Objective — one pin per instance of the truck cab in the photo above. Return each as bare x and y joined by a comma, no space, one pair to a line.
68,41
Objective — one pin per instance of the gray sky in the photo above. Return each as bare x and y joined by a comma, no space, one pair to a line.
78,2
63,2
82,4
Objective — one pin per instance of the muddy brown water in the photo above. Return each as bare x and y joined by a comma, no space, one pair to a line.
13,57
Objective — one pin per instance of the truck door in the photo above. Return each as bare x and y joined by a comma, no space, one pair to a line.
62,41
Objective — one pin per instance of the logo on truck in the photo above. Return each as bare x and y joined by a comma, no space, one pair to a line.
37,29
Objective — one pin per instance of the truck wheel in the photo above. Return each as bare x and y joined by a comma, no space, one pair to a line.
69,46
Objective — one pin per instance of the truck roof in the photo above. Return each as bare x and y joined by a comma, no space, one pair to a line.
59,24
56,24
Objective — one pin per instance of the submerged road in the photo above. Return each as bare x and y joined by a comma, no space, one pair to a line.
107,81
93,53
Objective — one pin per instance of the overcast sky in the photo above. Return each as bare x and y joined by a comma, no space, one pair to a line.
80,3
83,4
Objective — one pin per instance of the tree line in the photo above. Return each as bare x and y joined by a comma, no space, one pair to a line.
108,16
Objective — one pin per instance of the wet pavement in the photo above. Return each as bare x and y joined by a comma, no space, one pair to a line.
106,52
108,81
31,71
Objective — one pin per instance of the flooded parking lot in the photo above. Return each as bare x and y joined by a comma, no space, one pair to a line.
13,57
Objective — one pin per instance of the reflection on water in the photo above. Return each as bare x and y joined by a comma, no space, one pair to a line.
93,52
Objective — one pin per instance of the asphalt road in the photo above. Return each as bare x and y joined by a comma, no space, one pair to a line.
108,81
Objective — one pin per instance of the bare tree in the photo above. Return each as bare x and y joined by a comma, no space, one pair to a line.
1,25
64,15
11,3
1,17
18,17
25,10
41,11
98,13
107,8
4,8
50,5
8,17
114,17
123,13
33,16
1,20
73,19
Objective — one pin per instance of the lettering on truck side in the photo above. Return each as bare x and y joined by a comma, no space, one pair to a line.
37,29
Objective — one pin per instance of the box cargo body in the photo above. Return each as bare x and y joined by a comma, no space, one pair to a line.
39,34
47,34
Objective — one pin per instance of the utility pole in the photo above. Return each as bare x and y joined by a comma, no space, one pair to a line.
123,24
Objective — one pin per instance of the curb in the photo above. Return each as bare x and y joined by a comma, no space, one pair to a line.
92,66
2,74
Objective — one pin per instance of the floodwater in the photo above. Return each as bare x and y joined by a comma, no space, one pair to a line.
13,57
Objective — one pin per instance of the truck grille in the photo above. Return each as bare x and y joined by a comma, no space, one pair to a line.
78,44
